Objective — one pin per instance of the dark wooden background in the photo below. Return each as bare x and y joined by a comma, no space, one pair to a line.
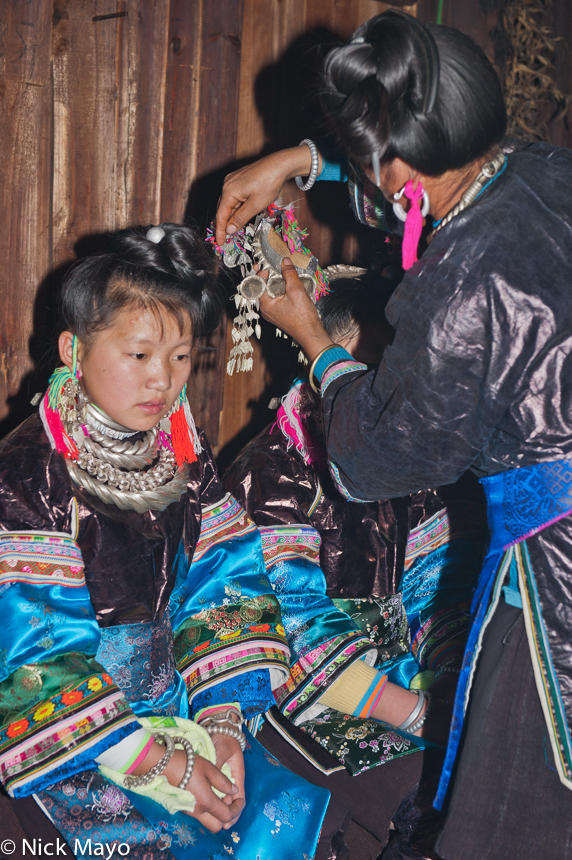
119,112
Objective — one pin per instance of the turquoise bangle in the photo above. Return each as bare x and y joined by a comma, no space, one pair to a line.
330,356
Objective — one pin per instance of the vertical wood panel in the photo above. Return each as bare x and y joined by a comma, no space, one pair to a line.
25,176
180,129
221,34
141,95
85,105
278,107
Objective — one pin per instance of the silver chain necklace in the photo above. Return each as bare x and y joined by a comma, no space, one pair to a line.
135,475
488,171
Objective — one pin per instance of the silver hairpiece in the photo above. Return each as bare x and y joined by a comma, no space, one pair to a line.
155,234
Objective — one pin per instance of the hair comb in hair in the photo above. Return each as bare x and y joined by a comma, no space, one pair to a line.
264,244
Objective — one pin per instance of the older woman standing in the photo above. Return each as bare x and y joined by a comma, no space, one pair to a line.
479,376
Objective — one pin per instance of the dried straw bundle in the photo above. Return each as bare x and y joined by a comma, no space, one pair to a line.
532,96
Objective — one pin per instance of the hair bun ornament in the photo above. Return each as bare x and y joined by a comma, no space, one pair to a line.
155,234
264,244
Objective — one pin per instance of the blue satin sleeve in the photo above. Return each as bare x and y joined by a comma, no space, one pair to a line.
58,707
40,622
230,570
308,614
229,640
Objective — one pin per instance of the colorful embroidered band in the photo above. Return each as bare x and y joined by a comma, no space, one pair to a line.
327,357
369,702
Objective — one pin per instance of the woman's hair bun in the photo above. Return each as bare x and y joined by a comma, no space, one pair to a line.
180,252
424,93
178,272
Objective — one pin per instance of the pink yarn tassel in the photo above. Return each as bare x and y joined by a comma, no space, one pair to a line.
413,225
62,441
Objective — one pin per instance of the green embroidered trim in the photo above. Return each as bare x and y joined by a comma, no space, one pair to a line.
358,744
221,626
383,620
79,696
36,682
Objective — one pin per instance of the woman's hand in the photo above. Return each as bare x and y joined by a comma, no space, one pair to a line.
212,812
250,190
228,750
296,314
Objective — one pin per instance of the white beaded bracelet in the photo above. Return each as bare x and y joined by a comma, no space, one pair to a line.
313,174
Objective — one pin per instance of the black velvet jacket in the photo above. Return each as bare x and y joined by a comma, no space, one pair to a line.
479,374
363,545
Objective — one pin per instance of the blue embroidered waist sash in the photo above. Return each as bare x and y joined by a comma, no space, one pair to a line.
520,503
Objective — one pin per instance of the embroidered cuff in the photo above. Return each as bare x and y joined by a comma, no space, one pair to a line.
357,691
329,357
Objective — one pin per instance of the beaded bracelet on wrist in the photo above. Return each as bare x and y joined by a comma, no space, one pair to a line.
313,174
133,781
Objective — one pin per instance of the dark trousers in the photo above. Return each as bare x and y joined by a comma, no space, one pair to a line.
507,801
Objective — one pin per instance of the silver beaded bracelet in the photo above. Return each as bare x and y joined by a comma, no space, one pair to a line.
313,174
223,717
159,768
231,731
132,781
190,761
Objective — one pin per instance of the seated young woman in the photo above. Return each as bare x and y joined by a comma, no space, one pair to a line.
139,626
374,596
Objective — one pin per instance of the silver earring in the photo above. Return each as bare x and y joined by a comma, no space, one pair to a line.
375,165
400,211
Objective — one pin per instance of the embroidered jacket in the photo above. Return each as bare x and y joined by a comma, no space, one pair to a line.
336,566
105,617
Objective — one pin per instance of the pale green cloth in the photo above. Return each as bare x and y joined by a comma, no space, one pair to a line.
173,799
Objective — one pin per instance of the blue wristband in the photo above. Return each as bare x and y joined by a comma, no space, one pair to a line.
330,356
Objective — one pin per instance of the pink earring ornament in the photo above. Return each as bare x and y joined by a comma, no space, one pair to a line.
413,220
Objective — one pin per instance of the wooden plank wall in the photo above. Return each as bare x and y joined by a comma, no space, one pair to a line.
111,111
278,107
131,111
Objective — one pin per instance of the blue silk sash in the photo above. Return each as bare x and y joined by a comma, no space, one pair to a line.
520,503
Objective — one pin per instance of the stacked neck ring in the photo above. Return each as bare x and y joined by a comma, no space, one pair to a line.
133,474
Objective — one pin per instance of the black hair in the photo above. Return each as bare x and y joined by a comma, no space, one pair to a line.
424,93
353,302
178,273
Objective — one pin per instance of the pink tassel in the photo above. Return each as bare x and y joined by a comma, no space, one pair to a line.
413,225
62,441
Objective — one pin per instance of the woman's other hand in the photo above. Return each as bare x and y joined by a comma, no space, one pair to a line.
250,190
296,314
213,812
228,751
